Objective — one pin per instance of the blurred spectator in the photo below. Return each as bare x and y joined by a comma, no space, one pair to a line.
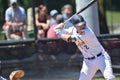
51,33
53,14
67,13
15,21
42,21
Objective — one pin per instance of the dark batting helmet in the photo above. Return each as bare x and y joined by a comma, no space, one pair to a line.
77,20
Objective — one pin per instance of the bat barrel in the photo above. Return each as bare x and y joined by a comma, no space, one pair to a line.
81,10
89,4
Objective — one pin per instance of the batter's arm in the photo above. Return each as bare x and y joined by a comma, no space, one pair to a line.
70,38
66,37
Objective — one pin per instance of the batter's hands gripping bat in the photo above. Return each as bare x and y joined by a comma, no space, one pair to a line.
82,9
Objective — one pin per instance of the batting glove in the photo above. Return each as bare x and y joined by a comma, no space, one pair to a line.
58,29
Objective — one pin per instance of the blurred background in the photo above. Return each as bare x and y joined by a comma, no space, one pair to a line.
52,58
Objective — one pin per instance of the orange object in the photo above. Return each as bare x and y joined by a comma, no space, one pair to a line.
16,75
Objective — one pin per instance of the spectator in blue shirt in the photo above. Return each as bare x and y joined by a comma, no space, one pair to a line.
15,20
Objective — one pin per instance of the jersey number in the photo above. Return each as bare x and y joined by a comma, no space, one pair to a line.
85,46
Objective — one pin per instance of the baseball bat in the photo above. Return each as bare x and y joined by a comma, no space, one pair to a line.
81,10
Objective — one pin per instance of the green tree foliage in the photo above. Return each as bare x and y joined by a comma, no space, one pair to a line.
58,4
3,6
102,17
114,4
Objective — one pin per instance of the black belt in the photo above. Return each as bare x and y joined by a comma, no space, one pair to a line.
94,56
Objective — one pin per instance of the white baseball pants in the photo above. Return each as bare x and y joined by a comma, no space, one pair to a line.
90,67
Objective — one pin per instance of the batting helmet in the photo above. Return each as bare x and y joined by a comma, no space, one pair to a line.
77,20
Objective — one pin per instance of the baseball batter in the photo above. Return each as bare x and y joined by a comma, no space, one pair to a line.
95,57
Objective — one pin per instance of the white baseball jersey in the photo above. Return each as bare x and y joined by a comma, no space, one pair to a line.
91,46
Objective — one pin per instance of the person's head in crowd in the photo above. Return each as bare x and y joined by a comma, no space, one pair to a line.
59,18
14,4
42,10
53,13
67,9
